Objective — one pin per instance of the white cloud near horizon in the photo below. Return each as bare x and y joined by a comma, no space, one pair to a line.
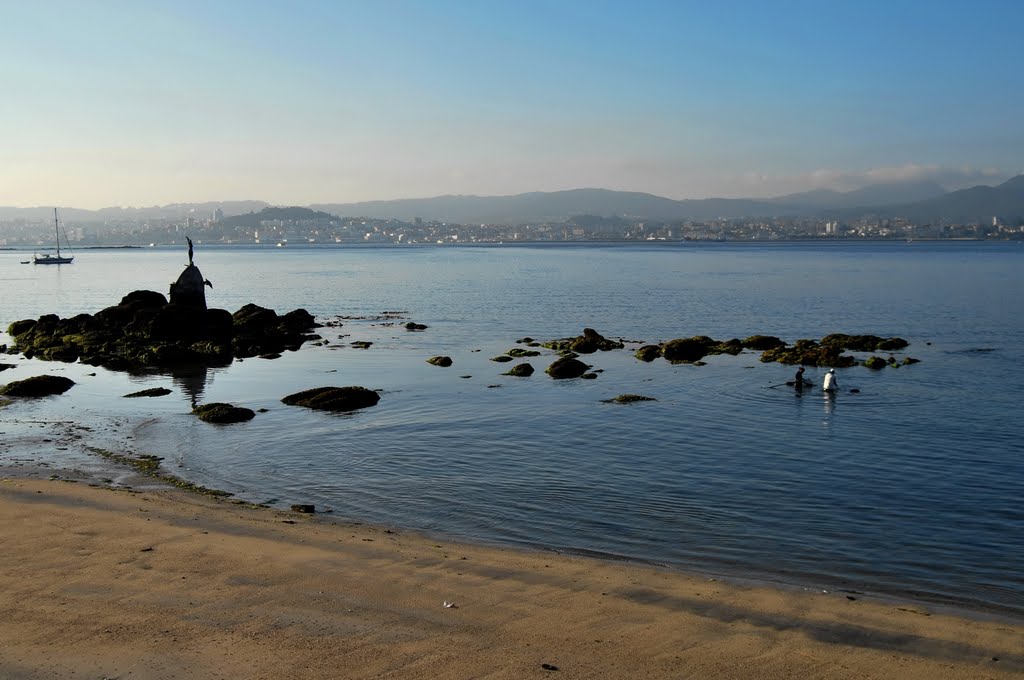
950,178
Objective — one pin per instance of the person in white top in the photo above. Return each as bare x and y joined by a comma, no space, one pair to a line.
831,385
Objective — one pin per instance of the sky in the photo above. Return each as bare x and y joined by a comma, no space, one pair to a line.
139,102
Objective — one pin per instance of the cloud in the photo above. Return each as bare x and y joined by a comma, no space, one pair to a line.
948,177
762,184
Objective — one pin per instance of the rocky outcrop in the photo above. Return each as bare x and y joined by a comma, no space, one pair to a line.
334,398
144,329
648,353
523,370
591,341
443,362
692,350
761,343
566,367
38,386
519,352
223,414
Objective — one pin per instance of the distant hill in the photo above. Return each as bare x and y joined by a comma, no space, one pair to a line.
171,211
976,204
292,214
918,201
555,206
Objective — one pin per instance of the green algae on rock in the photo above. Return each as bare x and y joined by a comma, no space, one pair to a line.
38,386
334,398
223,414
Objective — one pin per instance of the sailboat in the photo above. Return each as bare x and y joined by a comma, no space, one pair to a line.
46,258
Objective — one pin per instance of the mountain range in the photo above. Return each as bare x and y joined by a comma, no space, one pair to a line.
922,202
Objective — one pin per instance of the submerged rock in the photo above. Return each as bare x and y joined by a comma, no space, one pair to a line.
628,399
334,398
38,386
441,361
519,352
502,358
151,392
222,414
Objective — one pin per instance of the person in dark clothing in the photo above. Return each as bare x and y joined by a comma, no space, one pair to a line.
798,381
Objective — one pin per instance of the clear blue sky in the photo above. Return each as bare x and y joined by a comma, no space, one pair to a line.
138,102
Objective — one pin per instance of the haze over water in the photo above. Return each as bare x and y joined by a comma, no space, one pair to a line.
910,487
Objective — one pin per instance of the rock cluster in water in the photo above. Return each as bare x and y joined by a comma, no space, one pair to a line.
144,329
223,414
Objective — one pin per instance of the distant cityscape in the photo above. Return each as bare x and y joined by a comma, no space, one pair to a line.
304,226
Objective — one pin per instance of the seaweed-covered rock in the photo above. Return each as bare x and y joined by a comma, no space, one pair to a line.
760,343
38,386
502,359
145,330
810,353
334,398
223,414
686,349
151,392
628,399
566,368
591,341
521,370
441,361
876,362
864,343
648,352
519,352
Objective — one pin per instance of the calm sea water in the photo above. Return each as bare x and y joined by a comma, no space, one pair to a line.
912,487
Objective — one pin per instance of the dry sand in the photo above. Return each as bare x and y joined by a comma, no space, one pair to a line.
98,583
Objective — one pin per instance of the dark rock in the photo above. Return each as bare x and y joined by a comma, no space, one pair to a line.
141,299
760,343
252,317
589,376
38,386
222,414
190,288
810,353
566,368
272,355
628,399
412,326
305,508
648,352
519,352
683,350
591,341
16,328
361,344
502,358
908,361
875,362
151,392
334,398
521,370
524,341
4,367
444,362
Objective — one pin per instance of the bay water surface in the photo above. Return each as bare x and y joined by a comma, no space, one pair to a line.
910,487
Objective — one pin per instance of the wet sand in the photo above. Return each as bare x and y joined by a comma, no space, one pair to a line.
102,583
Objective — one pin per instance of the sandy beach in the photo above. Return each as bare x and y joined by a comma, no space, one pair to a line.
103,583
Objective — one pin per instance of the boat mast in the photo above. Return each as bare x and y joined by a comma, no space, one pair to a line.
56,230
